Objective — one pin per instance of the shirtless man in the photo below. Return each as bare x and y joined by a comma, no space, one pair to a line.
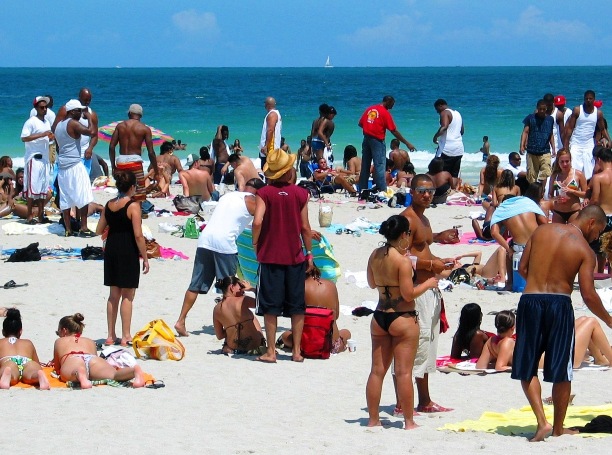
244,170
398,156
130,134
87,143
520,227
168,161
428,304
198,184
601,195
304,157
322,129
554,254
220,152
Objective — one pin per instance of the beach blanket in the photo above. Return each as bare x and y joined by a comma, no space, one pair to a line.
513,207
522,422
15,228
322,252
605,294
470,238
55,383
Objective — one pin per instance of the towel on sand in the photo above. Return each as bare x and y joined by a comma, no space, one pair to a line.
55,383
513,207
522,421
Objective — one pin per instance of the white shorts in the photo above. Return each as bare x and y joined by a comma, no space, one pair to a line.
582,159
74,186
429,306
35,180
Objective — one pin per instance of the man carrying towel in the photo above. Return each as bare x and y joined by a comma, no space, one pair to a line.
130,135
280,226
553,256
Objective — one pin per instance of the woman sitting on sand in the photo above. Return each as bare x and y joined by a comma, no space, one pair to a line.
493,271
469,340
76,359
442,180
404,177
488,176
505,185
6,198
323,293
565,188
394,327
18,358
498,350
234,321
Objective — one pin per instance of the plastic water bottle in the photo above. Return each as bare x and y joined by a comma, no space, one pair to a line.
518,282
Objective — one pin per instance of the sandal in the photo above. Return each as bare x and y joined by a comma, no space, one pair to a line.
11,284
398,412
32,222
433,407
87,233
159,384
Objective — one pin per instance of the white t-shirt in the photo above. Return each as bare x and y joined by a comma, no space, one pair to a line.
227,222
50,115
34,125
515,170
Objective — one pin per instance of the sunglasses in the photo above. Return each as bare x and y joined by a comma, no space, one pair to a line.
423,190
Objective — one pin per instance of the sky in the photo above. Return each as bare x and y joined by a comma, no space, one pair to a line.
293,33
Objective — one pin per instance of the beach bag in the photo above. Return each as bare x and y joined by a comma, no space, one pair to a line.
146,207
186,204
326,214
317,333
92,253
191,229
153,250
459,276
28,254
156,341
311,187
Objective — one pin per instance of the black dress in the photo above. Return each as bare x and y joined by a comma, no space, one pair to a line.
121,256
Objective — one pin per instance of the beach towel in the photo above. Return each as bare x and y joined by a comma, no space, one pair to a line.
515,206
55,383
522,422
469,238
15,228
322,252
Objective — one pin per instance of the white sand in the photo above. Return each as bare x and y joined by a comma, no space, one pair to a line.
215,404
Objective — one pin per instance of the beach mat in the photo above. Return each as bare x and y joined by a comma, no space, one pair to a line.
469,238
322,252
522,422
55,383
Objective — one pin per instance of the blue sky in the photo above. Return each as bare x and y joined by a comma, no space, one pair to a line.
292,33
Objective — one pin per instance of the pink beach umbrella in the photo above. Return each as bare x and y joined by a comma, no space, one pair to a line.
106,133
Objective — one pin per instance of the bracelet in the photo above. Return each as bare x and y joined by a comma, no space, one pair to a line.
308,253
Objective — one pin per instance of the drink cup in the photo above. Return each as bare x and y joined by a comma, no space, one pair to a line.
352,345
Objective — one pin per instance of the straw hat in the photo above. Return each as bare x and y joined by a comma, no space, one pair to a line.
278,163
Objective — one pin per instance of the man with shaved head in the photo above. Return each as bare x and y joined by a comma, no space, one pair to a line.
272,129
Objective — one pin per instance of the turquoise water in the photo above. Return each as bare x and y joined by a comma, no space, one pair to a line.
189,103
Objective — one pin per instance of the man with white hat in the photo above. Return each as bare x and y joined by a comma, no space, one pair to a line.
130,135
280,226
36,134
72,177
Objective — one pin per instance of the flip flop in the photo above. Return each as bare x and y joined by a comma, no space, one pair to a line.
433,407
87,233
159,384
109,342
11,284
125,344
399,412
32,222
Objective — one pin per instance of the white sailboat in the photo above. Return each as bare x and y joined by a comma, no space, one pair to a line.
328,63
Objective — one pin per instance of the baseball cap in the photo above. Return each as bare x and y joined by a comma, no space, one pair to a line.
598,103
191,158
559,100
135,109
38,99
74,104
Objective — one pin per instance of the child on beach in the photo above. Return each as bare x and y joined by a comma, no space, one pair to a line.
498,350
18,358
469,340
76,358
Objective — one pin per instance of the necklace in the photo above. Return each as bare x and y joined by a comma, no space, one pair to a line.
580,230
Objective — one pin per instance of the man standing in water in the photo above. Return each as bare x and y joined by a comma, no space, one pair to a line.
545,316
429,304
130,134
271,130
449,137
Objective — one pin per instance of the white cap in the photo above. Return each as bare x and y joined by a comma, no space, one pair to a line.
74,104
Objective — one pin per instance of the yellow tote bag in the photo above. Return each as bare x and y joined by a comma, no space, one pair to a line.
156,341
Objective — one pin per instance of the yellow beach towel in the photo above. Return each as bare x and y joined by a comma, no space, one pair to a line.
522,422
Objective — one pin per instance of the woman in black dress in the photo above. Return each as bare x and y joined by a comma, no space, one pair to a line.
124,244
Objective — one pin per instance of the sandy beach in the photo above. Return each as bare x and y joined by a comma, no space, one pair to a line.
216,404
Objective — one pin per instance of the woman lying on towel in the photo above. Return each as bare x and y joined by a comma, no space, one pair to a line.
76,357
18,359
493,271
234,321
469,340
394,327
498,350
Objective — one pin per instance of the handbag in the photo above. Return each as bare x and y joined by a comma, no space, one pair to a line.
92,253
153,250
156,341
191,230
186,204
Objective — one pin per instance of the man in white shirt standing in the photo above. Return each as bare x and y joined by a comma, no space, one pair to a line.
50,115
449,137
36,134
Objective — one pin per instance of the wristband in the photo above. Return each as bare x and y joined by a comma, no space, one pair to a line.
308,253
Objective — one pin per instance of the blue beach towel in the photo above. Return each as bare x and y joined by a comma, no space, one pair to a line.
513,207
322,252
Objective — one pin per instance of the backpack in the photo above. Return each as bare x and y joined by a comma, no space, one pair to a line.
27,254
317,333
92,253
311,187
186,204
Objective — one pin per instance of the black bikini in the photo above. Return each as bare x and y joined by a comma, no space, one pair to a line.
384,319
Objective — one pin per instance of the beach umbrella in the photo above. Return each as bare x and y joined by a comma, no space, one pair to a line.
106,133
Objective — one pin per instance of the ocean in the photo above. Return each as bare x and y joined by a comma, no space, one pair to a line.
189,103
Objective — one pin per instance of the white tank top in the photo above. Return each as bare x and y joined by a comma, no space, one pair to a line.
69,153
584,131
227,222
85,140
451,142
277,132
558,134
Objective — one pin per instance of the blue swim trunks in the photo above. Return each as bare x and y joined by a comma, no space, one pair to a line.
317,144
544,323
